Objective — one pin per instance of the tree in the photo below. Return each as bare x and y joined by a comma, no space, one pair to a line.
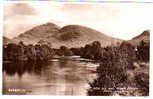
112,72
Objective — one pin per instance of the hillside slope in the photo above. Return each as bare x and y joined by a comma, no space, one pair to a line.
145,36
37,33
6,40
70,36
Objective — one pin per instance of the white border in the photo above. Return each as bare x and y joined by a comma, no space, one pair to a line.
38,96
1,35
85,1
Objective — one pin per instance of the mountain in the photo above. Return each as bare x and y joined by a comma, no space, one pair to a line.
145,36
37,33
70,36
6,40
76,36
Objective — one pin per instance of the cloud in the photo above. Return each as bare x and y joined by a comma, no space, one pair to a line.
18,20
22,9
121,20
89,12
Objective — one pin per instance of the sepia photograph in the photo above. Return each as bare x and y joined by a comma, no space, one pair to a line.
76,49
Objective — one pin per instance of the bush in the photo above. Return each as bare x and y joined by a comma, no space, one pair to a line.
143,51
112,72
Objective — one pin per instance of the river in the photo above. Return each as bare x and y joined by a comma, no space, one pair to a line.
56,77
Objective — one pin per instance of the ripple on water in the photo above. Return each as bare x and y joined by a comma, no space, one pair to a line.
54,78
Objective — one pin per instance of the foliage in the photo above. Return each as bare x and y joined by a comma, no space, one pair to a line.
112,72
27,52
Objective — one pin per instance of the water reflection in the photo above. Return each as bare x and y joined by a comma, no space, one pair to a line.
64,77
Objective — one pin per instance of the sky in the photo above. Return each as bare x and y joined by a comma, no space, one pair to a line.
120,20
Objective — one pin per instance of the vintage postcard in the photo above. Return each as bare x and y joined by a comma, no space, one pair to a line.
76,49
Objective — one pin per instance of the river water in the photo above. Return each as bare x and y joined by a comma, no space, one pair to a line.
57,77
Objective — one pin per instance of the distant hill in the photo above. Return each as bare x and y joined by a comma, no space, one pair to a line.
6,40
70,36
145,36
37,33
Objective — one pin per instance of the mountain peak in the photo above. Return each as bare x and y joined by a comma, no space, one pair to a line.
144,36
144,33
38,32
71,27
44,28
49,24
69,35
